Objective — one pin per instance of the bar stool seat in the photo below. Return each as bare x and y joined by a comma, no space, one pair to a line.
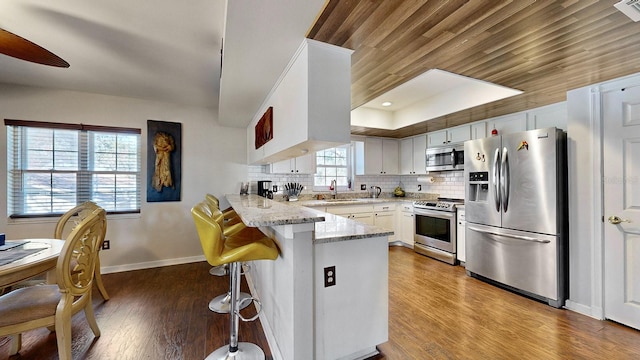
244,246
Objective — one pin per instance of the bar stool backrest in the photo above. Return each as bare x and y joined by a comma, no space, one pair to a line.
209,232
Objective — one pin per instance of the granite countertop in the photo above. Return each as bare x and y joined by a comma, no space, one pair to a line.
257,211
355,201
338,228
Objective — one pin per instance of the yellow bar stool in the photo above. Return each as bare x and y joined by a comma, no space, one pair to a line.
230,215
221,303
233,224
232,251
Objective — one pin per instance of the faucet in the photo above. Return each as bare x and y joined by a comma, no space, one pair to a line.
334,189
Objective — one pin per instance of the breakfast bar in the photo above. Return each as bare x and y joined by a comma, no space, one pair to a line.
326,296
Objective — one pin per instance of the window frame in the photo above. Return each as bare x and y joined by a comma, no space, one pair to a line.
349,167
84,173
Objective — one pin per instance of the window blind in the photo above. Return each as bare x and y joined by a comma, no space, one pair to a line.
52,167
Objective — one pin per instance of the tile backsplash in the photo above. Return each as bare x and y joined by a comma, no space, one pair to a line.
446,183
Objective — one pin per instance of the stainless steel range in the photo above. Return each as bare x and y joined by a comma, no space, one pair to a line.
435,234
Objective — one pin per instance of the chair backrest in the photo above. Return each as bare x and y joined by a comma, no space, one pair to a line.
69,220
213,206
214,200
77,260
209,232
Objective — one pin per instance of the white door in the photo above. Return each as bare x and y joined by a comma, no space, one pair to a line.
621,110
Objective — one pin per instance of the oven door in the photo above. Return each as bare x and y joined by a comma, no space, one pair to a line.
436,229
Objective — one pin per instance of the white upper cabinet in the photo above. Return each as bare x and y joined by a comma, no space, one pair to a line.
437,138
300,165
311,104
508,124
479,130
458,134
554,115
454,135
412,155
381,156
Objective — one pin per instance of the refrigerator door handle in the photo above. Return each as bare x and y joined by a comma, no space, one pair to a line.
505,177
517,237
496,179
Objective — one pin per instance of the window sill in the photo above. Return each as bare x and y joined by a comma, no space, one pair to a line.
54,219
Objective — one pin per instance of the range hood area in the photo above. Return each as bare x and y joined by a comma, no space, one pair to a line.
310,106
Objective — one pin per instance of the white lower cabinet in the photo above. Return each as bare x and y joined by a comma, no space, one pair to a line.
384,216
406,226
366,218
460,239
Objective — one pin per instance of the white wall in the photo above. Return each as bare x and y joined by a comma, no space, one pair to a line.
213,160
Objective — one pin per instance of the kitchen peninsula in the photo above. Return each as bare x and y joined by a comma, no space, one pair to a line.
326,295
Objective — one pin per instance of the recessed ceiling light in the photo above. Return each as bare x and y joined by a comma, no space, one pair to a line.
387,103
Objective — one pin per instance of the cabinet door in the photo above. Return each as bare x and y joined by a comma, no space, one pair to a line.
407,228
305,164
437,138
479,130
282,167
458,134
373,156
390,156
419,157
406,157
386,220
548,116
508,124
366,218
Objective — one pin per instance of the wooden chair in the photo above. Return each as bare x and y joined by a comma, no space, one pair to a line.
68,222
53,305
232,250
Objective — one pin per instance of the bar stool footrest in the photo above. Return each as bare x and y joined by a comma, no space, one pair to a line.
221,303
246,351
243,303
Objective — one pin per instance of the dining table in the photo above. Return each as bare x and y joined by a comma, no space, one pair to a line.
26,258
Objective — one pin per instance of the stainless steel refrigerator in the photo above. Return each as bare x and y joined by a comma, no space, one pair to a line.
516,212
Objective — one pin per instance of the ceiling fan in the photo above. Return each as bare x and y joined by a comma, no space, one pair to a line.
21,48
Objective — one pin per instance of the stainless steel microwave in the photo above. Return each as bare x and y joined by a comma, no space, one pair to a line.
445,158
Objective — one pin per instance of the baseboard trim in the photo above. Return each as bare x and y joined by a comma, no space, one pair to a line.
593,312
266,327
151,264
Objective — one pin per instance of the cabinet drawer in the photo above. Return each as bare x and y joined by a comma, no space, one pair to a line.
349,209
407,208
384,207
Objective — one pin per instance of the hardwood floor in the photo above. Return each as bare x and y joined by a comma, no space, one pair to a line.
435,312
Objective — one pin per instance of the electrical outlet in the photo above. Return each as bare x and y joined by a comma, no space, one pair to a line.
363,186
329,276
106,245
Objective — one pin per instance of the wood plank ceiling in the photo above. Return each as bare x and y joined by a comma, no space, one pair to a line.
541,47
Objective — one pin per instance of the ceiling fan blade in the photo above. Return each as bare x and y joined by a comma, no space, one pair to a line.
21,48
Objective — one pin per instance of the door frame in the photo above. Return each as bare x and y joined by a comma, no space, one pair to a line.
596,234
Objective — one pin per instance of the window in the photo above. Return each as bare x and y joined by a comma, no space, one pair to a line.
52,167
333,164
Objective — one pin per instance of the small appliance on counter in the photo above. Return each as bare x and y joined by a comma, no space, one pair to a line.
264,188
375,191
